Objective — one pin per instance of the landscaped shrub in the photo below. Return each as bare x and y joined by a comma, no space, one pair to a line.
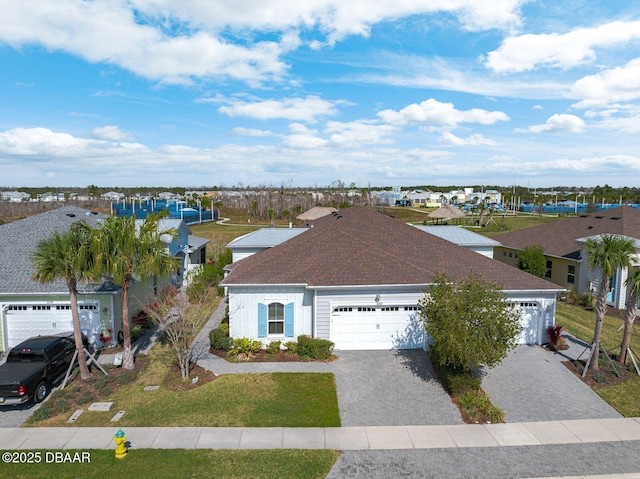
587,300
244,348
273,347
314,348
141,318
460,382
555,334
219,338
136,332
478,407
291,346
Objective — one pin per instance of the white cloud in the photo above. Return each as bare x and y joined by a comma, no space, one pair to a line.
530,51
619,118
433,112
358,133
42,141
176,41
303,137
614,85
111,133
304,156
108,32
336,18
241,131
472,140
557,123
297,109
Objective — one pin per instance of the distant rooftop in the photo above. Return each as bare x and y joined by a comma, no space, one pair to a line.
459,235
266,237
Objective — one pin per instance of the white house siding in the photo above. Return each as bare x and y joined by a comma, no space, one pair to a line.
483,250
379,329
242,253
243,310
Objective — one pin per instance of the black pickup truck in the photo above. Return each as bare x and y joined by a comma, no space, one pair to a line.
32,367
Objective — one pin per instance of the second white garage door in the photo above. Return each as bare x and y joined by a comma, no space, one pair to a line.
24,320
530,322
376,327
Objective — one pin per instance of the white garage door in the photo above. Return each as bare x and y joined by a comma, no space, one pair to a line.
23,320
530,322
376,327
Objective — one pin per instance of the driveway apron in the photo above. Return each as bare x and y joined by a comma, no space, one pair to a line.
390,388
532,384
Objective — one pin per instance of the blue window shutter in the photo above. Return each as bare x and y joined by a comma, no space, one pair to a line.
262,320
288,320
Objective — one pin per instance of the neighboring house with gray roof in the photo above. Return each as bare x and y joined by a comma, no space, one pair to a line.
562,241
356,279
463,237
28,308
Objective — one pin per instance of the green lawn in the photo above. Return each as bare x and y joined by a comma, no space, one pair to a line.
580,323
233,400
502,224
624,396
181,463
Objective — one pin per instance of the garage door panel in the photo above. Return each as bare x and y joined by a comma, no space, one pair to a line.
377,329
530,323
24,321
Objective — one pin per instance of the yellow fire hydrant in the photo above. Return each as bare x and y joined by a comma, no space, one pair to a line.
120,440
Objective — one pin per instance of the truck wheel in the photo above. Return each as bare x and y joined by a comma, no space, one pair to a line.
41,392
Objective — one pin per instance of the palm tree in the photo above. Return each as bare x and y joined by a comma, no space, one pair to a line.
631,308
66,256
126,251
607,253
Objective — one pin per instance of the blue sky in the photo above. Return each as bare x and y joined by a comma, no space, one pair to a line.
399,92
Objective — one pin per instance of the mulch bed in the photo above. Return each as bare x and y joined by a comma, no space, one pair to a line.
174,381
605,375
261,356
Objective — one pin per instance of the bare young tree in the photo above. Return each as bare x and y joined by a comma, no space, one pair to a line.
179,318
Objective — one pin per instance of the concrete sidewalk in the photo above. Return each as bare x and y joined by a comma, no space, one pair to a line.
341,438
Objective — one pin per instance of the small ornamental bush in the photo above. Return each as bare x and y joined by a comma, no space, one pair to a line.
273,347
219,338
291,346
136,332
314,348
555,334
477,406
141,318
244,348
587,300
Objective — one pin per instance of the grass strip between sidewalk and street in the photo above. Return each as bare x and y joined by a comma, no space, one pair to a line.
176,463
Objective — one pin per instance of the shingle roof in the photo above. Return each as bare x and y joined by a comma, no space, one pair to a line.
18,240
359,246
558,238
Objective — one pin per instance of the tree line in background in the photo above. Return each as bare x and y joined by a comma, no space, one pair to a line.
286,202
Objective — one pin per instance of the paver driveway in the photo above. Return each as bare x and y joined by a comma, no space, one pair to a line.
390,388
533,385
